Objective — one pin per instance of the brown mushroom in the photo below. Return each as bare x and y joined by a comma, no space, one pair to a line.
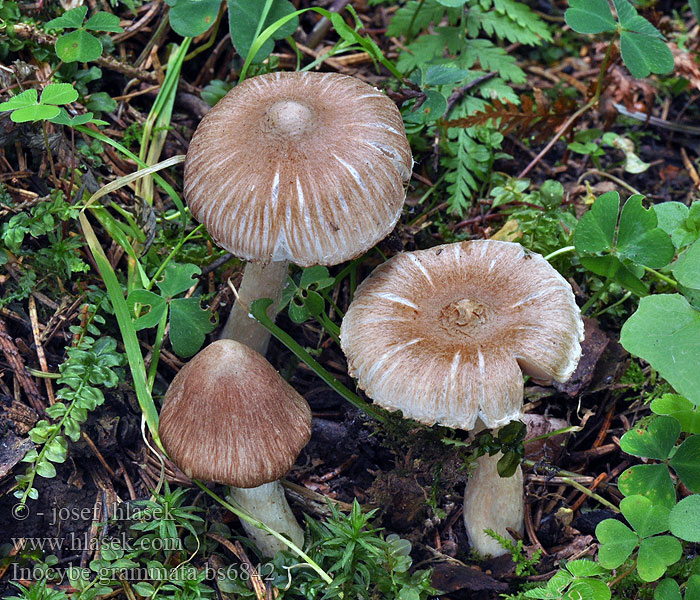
301,167
445,335
228,417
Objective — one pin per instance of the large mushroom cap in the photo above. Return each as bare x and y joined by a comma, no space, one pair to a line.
445,334
229,417
306,167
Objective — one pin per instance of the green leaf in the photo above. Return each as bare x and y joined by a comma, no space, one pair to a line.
617,541
692,588
453,3
646,519
56,450
656,554
684,520
687,268
190,18
674,219
630,20
104,21
59,93
177,278
189,324
444,74
317,275
644,54
585,568
596,229
314,303
667,589
101,102
599,589
298,312
430,111
243,23
665,331
656,441
26,98
639,239
34,113
157,306
686,463
612,268
652,481
590,16
679,408
46,469
71,19
63,119
695,7
78,46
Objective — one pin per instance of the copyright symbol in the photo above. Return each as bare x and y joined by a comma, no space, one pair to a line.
20,511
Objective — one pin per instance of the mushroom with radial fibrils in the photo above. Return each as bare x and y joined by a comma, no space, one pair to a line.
445,335
301,167
228,417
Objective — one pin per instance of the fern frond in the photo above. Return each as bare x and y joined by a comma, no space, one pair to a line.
412,18
468,168
491,58
429,48
529,118
509,20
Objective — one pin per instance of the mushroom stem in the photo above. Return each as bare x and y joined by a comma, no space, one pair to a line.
259,281
268,504
492,502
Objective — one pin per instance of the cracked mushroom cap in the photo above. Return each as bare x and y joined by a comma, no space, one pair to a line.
306,167
229,417
445,334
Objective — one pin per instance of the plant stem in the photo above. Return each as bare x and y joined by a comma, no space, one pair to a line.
661,276
249,519
559,252
594,298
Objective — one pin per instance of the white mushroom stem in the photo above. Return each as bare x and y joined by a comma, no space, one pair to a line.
268,504
492,502
259,281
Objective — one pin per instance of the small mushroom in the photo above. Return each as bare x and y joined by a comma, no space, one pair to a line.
228,417
301,167
445,335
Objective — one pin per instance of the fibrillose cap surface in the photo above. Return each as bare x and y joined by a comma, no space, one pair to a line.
306,167
229,417
445,334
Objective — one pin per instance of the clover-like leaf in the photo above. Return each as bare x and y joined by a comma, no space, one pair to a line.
64,119
59,93
646,518
585,568
191,18
596,229
78,46
656,441
630,20
152,307
104,21
667,589
680,408
189,325
71,19
640,239
686,463
590,16
674,219
652,481
177,278
617,542
656,554
38,112
27,98
665,331
687,268
316,277
243,23
644,54
684,520
611,267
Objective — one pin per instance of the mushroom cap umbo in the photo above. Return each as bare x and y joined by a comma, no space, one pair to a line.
306,167
445,334
229,417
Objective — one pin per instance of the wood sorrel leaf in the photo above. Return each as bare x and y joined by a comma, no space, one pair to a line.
617,541
686,463
646,518
656,554
665,331
652,481
684,519
656,441
590,16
